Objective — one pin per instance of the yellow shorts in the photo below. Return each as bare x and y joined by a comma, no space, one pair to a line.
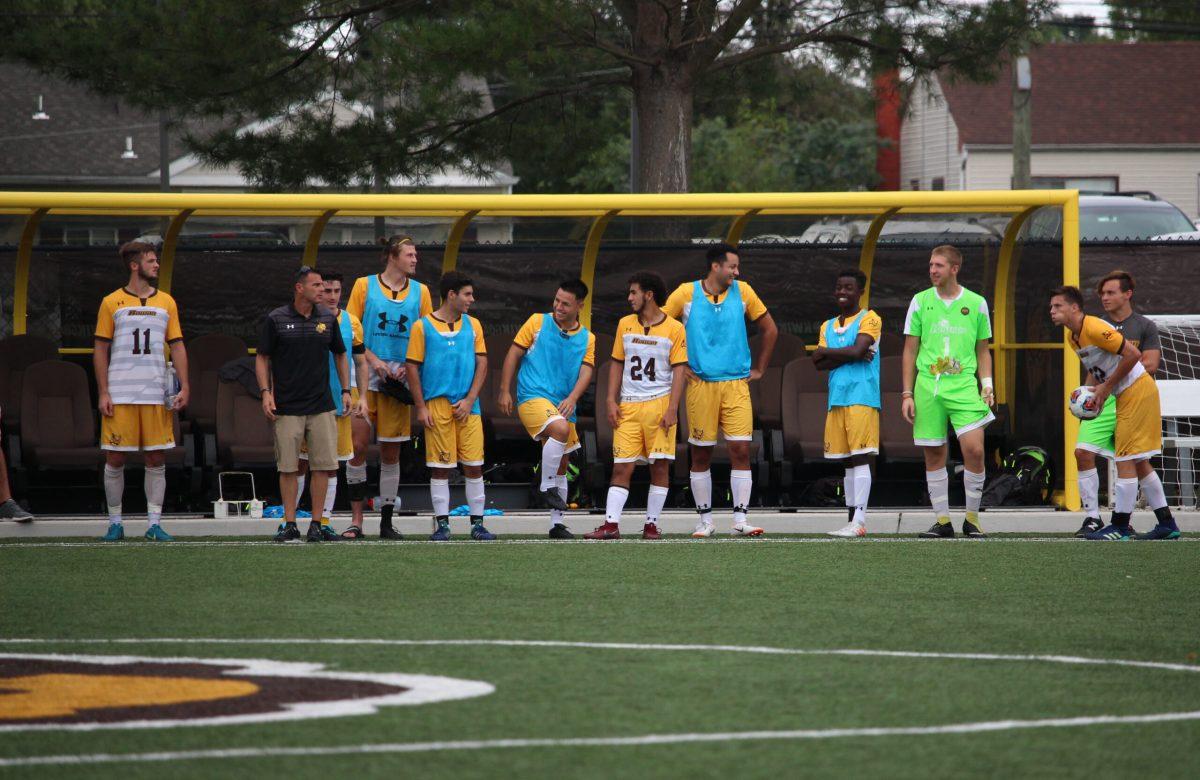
345,434
537,413
1139,421
851,430
639,438
451,443
391,419
719,406
135,427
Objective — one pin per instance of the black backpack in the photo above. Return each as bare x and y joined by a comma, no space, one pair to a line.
1026,478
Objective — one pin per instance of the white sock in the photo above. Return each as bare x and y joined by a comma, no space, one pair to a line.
740,483
702,493
114,491
655,500
439,493
330,496
300,480
1152,487
389,482
1126,494
848,486
552,455
615,504
356,475
973,483
862,493
1089,492
938,484
476,498
560,484
155,484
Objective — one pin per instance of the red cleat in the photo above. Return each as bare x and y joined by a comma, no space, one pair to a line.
606,531
650,531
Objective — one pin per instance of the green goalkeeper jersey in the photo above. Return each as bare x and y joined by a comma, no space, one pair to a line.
948,331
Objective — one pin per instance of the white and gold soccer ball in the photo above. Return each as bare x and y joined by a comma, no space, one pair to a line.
1083,403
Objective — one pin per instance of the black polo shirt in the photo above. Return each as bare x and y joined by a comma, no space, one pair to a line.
299,349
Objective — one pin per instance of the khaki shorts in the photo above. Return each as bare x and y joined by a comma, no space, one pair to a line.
317,431
345,434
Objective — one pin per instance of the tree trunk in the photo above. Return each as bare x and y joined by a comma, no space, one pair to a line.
663,97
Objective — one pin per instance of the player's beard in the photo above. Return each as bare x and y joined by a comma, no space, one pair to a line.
147,278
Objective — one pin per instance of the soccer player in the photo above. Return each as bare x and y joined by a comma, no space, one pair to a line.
353,430
447,364
714,311
847,349
945,345
649,360
1096,435
388,304
557,357
1116,365
136,326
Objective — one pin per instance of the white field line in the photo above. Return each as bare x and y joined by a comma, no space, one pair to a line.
646,739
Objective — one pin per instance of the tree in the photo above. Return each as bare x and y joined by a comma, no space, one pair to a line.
1154,20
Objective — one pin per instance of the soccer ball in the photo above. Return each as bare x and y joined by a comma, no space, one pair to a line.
1083,403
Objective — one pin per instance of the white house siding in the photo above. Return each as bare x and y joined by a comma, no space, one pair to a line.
929,140
1172,174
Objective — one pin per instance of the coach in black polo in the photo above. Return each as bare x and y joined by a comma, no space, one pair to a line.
294,347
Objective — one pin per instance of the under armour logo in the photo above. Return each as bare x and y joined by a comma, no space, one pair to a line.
401,324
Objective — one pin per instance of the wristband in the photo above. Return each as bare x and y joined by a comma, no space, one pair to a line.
264,389
906,394
987,383
346,392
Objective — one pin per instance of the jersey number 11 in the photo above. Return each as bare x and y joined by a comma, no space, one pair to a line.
138,347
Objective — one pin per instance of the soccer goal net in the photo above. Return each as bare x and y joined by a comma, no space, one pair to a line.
1178,380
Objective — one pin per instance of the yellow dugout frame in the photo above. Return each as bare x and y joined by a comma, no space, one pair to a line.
742,207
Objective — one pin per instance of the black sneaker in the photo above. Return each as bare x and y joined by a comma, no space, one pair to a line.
939,531
560,531
11,510
554,500
314,532
1090,526
972,531
288,533
385,524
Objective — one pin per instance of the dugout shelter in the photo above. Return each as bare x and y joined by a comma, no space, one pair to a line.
740,210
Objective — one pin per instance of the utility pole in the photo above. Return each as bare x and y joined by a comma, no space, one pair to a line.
1022,120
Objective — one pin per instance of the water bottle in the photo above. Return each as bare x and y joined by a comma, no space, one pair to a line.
173,386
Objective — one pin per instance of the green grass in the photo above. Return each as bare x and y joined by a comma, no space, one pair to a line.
1129,601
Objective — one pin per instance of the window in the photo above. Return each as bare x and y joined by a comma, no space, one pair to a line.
914,184
939,183
1082,183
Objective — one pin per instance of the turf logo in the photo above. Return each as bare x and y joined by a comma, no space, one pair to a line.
86,692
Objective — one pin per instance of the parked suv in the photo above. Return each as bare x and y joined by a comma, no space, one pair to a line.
1121,216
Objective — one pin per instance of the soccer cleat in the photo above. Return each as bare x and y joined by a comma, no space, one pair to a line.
745,529
703,530
605,531
1159,532
314,532
479,533
116,532
1112,533
288,532
560,531
971,528
939,530
850,530
1090,526
554,500
155,533
11,510
442,532
650,532
385,524
329,535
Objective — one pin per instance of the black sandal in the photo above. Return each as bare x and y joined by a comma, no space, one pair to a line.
353,532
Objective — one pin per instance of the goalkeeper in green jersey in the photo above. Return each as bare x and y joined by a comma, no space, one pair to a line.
945,346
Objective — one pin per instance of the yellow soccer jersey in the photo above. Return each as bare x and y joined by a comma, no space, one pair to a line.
139,330
1099,349
679,303
870,324
533,326
416,340
649,354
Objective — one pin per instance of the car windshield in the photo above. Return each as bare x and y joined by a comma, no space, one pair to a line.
1134,222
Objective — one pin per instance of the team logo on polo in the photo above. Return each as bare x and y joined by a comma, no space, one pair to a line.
86,692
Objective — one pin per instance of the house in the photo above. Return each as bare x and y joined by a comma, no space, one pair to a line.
56,135
1106,117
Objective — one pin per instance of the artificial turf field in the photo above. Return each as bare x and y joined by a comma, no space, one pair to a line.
1132,601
